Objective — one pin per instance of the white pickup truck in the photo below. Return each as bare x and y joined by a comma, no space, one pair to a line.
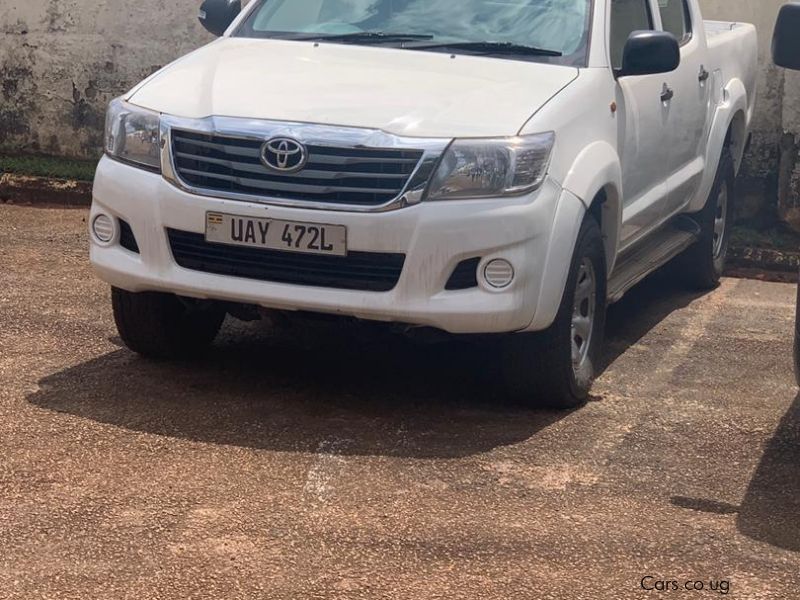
474,166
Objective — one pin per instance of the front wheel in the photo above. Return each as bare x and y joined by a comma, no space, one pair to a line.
165,326
556,368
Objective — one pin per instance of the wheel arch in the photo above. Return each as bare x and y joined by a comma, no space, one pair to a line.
570,215
596,178
729,129
736,138
606,208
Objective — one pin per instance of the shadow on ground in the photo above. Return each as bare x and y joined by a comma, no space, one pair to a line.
641,310
770,511
370,392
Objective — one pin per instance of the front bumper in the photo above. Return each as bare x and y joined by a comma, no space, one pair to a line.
434,236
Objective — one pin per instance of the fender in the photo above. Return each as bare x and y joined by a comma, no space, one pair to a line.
732,109
597,170
566,226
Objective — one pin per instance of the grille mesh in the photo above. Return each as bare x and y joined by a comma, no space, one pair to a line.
465,275
126,238
366,271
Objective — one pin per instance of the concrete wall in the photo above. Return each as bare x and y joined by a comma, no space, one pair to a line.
771,174
62,60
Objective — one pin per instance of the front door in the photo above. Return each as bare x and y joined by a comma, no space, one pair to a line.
642,127
689,110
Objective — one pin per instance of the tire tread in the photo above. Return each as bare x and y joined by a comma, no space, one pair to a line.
696,265
538,366
157,325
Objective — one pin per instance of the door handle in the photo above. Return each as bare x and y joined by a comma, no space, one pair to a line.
667,93
704,75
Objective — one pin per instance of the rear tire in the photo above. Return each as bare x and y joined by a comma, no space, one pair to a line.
556,368
702,264
165,326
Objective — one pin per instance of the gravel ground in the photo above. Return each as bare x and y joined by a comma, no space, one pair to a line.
325,464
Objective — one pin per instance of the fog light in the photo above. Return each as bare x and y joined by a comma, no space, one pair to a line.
498,273
103,228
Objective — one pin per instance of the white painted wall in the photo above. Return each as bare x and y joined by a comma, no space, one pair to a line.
62,60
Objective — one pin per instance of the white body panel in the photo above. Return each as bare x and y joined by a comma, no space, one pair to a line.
402,92
435,238
615,138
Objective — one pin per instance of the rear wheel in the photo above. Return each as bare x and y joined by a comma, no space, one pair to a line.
556,368
703,263
165,326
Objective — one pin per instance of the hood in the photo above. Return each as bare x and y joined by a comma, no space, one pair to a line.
404,92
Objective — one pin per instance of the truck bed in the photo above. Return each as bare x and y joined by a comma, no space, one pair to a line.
733,54
715,28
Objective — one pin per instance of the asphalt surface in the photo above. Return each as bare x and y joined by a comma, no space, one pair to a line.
339,463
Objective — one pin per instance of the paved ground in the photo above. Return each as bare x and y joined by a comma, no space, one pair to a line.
369,467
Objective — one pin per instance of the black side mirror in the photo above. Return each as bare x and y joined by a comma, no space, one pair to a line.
786,41
650,52
217,15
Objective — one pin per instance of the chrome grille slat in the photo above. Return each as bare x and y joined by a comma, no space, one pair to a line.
360,160
347,175
226,149
307,172
267,184
321,159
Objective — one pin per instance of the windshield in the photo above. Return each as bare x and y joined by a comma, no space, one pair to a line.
558,26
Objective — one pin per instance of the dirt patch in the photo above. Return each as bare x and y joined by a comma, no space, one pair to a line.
349,469
23,189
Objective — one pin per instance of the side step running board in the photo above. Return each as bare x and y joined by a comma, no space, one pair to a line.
655,251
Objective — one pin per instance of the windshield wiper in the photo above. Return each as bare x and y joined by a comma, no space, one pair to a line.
490,48
360,37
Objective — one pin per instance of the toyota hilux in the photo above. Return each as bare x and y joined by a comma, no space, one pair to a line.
496,167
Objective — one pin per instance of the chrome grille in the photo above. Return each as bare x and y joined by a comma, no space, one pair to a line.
335,175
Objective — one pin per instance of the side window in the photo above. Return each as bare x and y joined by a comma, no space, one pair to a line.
676,18
627,16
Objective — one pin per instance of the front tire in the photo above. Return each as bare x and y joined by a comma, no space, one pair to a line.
165,326
556,368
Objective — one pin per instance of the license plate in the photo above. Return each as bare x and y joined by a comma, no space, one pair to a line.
290,236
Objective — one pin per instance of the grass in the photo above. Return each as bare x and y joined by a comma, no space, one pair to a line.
776,237
45,166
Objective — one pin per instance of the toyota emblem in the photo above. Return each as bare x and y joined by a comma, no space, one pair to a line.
284,155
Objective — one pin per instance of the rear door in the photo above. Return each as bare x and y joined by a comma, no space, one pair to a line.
641,126
689,106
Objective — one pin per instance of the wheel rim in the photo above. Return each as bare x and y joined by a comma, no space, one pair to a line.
583,314
720,221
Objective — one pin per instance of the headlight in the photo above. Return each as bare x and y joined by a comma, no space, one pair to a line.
133,135
480,168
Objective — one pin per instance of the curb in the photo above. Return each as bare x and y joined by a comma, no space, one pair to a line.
43,191
765,259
